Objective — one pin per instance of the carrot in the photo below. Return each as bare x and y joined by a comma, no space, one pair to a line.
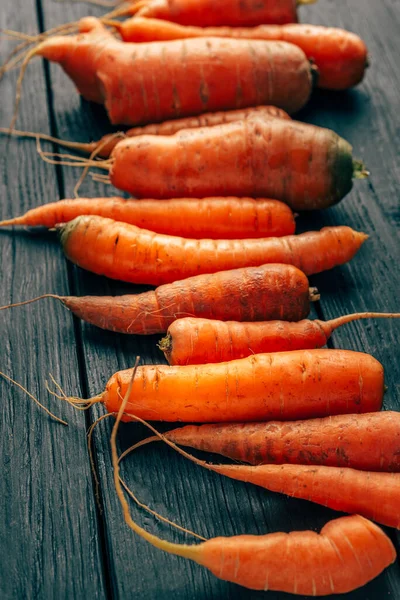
348,553
305,166
368,442
125,252
285,386
147,83
107,143
372,495
195,218
191,341
224,12
255,293
341,56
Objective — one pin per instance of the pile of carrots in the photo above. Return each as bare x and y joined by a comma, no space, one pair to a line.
207,90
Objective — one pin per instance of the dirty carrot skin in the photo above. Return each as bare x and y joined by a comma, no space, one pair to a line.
225,218
372,495
224,12
147,83
255,293
307,167
125,252
368,442
192,341
286,386
341,56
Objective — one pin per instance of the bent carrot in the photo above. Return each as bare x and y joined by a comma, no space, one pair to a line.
107,143
255,293
147,83
285,386
227,218
341,56
305,166
372,495
367,442
348,552
224,12
191,341
125,252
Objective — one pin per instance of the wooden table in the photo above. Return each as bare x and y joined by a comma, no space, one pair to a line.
54,542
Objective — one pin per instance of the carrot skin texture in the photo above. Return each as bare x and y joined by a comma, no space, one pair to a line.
367,442
349,552
225,12
305,166
372,495
174,125
255,293
195,218
341,56
125,252
285,386
219,74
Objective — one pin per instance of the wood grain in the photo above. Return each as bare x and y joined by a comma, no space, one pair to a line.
197,499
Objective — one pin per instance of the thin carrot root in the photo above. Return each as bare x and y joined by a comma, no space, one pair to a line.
21,387
305,2
32,300
86,148
78,403
74,161
91,159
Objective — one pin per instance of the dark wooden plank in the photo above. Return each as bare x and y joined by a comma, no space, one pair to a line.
49,542
166,481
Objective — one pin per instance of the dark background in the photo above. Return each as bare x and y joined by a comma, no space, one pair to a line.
54,543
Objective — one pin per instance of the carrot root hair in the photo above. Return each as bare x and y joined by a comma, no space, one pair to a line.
21,387
91,160
78,403
32,300
343,320
305,2
86,148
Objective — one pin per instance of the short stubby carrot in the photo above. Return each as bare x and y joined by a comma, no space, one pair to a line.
255,293
125,252
372,495
307,167
147,83
367,442
227,218
341,56
224,12
192,341
284,386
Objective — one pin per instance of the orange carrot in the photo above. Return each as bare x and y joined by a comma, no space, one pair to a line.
284,386
147,83
192,341
349,551
227,218
255,293
305,166
368,442
125,252
223,12
372,495
341,56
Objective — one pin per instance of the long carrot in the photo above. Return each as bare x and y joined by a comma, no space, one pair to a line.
368,442
372,495
107,143
285,386
348,553
191,341
223,12
255,293
147,83
341,56
125,252
227,218
305,166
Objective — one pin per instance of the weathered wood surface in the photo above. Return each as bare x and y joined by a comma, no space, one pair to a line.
54,542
